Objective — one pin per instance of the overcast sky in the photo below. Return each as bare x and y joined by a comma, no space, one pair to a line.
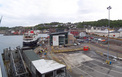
33,12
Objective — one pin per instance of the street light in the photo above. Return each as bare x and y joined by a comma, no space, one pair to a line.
108,30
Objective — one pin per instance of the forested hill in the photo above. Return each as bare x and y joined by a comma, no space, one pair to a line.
102,22
99,23
4,28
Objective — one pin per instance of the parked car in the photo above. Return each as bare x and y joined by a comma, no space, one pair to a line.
81,41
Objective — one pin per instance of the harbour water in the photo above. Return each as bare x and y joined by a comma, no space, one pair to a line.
11,41
8,41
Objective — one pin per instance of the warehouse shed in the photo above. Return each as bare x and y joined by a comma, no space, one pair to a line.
58,38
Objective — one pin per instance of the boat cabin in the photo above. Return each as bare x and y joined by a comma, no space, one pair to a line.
28,36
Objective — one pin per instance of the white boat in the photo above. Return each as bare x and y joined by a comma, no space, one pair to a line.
30,38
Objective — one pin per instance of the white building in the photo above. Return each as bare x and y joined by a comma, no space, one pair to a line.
104,32
82,34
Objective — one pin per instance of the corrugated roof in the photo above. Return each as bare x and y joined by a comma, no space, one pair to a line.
45,66
57,33
31,55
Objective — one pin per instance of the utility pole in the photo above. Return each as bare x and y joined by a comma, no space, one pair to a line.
108,31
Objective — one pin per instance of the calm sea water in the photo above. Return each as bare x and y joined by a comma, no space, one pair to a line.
13,42
8,41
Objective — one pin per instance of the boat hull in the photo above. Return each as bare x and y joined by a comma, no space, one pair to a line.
30,43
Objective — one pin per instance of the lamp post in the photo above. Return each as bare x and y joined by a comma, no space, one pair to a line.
108,30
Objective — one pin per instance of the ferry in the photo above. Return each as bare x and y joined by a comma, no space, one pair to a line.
30,38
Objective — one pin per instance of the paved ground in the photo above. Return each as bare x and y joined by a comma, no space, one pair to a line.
94,47
114,47
89,64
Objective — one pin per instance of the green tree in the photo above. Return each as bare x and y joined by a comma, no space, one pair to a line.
4,28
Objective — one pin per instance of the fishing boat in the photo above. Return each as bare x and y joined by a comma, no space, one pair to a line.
30,38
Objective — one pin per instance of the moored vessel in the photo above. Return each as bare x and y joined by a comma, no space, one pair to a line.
30,38
24,62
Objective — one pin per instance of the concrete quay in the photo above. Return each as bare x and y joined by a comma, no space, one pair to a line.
88,63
